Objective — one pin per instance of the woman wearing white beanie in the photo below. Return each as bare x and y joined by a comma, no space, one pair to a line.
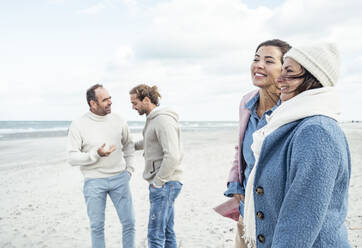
297,192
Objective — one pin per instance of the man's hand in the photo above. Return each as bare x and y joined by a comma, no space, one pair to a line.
104,153
155,186
239,197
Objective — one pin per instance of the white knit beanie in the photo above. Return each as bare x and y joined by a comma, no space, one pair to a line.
321,60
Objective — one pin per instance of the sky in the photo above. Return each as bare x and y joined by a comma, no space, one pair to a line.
198,52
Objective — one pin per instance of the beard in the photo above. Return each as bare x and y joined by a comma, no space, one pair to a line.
104,110
141,111
107,110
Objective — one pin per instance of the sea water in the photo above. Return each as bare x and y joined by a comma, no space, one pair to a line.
10,130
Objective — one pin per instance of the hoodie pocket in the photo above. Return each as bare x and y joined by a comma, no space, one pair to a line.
154,166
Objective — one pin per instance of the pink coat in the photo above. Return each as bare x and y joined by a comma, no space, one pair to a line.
230,208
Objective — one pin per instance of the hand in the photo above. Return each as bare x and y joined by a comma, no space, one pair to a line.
239,197
155,187
104,153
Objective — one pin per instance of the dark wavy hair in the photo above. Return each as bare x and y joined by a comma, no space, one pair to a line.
309,81
91,94
282,45
144,90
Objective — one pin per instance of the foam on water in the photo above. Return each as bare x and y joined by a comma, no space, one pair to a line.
30,130
33,129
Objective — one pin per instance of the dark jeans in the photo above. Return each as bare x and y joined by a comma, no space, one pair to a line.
161,219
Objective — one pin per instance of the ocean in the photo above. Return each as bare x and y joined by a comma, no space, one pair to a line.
10,130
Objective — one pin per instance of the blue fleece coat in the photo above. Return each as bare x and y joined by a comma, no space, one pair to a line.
301,186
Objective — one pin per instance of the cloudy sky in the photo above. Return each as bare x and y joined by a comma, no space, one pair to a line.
197,51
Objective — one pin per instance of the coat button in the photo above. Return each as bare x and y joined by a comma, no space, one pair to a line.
259,190
261,238
260,215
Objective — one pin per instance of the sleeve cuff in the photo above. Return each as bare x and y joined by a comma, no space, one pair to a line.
130,170
234,188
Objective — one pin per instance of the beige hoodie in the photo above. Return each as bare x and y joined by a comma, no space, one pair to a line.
162,147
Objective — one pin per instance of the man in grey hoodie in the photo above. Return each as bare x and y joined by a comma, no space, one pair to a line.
163,154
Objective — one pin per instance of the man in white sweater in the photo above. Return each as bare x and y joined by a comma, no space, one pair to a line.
100,143
163,155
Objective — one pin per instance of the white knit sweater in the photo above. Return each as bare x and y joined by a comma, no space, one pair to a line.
88,133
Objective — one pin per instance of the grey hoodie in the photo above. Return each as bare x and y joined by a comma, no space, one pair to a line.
162,147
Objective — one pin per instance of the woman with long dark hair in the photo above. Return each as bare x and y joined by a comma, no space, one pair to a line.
254,107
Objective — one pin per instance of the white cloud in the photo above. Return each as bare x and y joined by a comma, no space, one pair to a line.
198,29
94,9
198,52
310,20
56,1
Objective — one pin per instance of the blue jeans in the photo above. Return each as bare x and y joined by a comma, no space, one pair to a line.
161,219
95,193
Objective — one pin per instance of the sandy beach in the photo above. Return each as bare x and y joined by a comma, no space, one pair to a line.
42,203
